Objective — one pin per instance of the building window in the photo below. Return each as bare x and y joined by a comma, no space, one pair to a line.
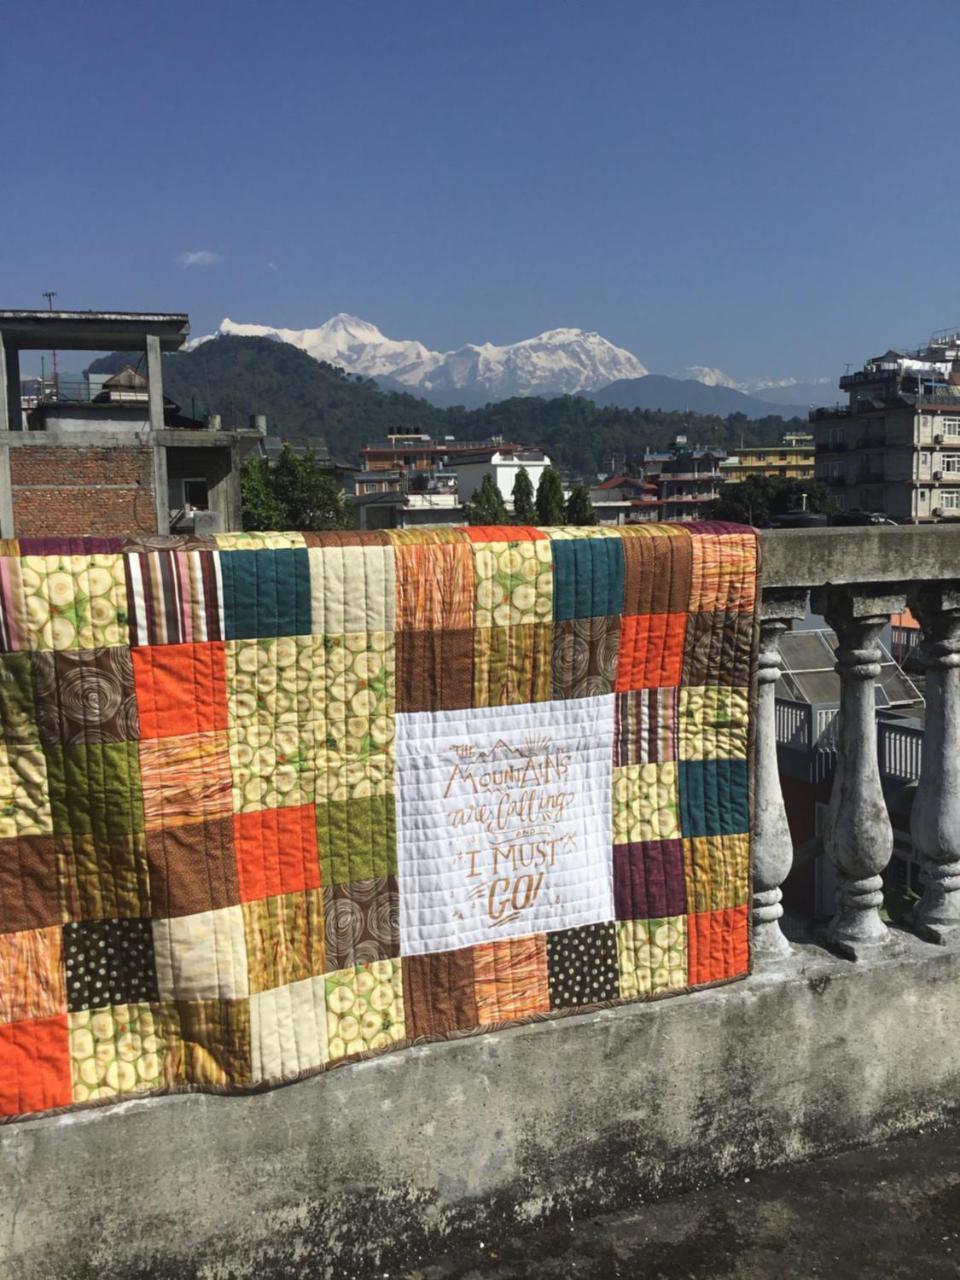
949,425
950,501
951,464
924,459
196,494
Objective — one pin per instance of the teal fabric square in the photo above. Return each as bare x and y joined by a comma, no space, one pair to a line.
714,797
587,578
266,593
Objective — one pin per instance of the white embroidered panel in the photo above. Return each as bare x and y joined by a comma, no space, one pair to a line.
503,821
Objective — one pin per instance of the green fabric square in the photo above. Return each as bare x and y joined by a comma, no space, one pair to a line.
95,789
357,839
17,713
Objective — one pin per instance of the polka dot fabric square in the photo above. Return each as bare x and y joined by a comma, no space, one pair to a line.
109,962
582,966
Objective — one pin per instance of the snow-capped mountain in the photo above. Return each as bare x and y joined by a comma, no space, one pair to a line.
709,377
553,363
558,362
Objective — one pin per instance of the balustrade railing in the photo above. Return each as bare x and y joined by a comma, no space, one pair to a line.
857,579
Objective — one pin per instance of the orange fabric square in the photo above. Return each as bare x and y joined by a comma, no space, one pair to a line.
181,688
510,979
718,945
34,1066
504,533
651,651
31,975
185,779
724,573
435,587
276,851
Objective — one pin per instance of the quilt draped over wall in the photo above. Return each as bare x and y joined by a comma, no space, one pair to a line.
270,802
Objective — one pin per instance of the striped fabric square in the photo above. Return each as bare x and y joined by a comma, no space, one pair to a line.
175,597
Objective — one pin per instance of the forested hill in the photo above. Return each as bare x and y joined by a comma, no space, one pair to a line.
236,377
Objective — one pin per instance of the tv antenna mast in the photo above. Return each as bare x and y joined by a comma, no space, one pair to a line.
50,294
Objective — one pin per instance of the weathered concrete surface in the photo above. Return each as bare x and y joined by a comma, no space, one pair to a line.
869,554
368,1169
890,1211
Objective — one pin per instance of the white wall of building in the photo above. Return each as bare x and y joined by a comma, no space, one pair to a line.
504,471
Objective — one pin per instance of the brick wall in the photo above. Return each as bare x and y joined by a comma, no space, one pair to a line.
61,489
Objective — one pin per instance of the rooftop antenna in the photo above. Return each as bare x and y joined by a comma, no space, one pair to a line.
50,294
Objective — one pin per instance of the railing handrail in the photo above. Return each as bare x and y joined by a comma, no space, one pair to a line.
849,556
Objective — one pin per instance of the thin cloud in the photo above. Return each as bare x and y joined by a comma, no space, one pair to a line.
272,266
198,258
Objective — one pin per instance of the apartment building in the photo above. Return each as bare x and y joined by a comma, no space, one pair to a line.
895,446
791,459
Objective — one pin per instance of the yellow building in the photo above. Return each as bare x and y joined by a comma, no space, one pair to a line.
791,459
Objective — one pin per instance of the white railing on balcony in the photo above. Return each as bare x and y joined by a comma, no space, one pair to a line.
901,750
793,723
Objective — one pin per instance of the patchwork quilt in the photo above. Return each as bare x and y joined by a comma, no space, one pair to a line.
273,802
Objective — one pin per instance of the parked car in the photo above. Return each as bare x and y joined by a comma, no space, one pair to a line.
860,518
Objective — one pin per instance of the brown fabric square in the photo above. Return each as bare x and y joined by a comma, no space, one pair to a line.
103,876
718,649
207,1041
658,571
192,868
438,993
585,656
84,696
361,921
347,538
29,894
434,670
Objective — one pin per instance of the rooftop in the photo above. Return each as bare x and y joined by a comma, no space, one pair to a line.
92,330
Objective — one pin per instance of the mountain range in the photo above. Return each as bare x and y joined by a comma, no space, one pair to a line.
557,362
304,397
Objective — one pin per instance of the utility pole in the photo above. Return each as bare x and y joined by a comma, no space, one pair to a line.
50,294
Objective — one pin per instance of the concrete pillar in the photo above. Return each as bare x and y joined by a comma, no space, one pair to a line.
161,487
935,815
7,526
10,373
772,845
155,385
4,397
858,837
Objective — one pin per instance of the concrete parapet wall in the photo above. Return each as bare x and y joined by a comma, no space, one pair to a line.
366,1169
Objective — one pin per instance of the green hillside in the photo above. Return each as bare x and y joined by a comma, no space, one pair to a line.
236,377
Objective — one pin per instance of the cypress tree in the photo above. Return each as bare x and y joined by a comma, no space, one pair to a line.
550,497
579,509
487,505
524,510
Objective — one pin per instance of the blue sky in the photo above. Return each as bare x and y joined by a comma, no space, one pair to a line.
765,186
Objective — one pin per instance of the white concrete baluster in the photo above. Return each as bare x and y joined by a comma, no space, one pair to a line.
772,845
858,837
935,817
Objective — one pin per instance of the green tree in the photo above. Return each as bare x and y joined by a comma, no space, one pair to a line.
260,506
524,509
487,505
579,508
550,497
758,500
296,493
